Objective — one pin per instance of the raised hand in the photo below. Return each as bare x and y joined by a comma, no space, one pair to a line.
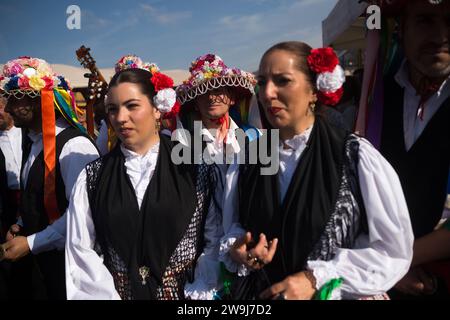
244,251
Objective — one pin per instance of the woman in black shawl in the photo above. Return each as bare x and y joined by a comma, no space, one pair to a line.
332,223
135,218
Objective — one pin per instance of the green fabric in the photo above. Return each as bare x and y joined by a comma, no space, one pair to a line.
327,289
226,279
447,224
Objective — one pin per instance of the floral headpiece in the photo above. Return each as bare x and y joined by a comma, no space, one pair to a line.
209,72
165,99
330,75
28,76
132,61
33,77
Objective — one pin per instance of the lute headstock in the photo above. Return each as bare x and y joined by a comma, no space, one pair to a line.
97,85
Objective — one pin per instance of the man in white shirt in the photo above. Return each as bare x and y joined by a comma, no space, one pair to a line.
415,134
58,150
11,146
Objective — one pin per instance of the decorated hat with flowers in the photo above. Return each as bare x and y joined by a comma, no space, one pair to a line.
330,76
165,99
132,61
33,77
209,72
28,76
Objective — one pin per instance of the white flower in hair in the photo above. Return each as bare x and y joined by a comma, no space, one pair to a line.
331,81
165,99
29,72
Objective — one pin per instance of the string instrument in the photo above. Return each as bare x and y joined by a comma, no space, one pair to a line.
97,85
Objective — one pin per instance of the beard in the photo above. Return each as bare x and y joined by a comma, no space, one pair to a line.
3,126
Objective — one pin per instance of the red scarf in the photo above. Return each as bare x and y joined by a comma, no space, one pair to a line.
222,131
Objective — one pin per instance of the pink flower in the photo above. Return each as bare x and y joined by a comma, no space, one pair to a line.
34,63
24,83
48,82
12,68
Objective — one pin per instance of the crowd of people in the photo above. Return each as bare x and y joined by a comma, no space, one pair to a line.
175,198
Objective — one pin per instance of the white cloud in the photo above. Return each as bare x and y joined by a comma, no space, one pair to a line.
162,16
244,38
90,21
250,23
308,3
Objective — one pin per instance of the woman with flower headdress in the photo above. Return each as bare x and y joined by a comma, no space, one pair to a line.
57,150
135,218
217,98
106,138
333,222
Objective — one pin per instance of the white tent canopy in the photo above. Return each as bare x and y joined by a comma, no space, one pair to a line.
344,28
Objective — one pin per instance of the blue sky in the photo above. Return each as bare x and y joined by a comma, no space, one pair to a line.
170,33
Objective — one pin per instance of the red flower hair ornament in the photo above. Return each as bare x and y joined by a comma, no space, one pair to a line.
165,99
330,75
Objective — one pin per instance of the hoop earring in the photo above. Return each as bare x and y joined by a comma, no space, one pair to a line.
158,125
312,106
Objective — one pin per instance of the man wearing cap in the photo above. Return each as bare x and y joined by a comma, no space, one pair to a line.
415,132
58,150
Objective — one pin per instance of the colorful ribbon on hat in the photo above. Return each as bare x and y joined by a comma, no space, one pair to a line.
49,146
64,103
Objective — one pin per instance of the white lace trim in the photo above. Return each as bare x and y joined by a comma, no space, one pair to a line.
225,246
199,290
188,94
19,94
324,271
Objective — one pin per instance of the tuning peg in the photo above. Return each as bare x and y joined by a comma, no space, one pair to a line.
100,83
99,95
91,97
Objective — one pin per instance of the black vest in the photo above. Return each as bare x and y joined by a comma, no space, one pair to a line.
31,205
423,170
3,195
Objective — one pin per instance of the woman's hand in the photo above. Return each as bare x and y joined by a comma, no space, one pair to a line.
416,282
245,252
299,286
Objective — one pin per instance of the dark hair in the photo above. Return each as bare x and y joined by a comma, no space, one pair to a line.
137,76
301,51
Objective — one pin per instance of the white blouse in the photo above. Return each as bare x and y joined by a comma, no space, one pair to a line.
11,145
217,223
380,258
290,152
87,278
